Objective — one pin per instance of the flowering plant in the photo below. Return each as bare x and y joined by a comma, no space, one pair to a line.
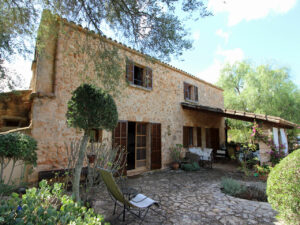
276,152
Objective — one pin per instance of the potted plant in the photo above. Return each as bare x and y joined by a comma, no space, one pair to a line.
175,155
263,171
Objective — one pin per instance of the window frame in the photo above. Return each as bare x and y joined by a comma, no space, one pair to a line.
147,75
190,92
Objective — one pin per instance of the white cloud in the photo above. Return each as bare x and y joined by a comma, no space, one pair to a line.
196,35
222,56
223,34
239,10
22,67
211,73
231,55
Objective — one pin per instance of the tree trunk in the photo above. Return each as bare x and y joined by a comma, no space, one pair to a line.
78,166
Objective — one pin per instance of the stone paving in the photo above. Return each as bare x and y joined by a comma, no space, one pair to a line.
188,198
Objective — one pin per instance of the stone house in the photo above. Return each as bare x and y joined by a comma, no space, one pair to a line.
160,105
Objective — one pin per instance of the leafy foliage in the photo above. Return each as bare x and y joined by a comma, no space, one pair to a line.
91,107
237,189
283,188
151,26
262,89
15,147
19,147
232,187
46,205
175,152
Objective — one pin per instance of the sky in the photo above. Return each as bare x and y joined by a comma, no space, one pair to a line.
260,31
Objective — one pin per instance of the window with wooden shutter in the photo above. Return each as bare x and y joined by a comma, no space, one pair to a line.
190,92
139,75
199,141
155,146
148,78
196,93
187,136
185,90
129,71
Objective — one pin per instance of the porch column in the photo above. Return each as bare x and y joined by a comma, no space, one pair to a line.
284,140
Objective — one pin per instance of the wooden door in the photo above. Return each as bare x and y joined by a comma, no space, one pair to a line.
120,139
212,139
155,146
140,144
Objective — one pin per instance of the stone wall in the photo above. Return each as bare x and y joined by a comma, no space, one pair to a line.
14,110
159,105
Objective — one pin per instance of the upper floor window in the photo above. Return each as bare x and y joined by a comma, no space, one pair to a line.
138,75
190,92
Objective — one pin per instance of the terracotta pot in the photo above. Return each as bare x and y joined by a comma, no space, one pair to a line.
91,158
175,165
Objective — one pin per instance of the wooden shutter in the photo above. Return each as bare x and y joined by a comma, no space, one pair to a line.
208,137
155,146
196,93
120,138
199,141
129,71
190,136
148,78
185,90
185,137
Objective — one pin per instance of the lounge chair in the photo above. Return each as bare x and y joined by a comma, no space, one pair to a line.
138,202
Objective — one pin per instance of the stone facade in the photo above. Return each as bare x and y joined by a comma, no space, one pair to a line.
55,77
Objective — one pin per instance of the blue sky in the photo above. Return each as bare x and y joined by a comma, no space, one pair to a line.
261,31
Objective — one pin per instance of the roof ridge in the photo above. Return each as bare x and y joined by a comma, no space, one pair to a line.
113,41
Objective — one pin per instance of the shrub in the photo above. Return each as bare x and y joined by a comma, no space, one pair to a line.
16,146
46,205
256,192
283,188
232,187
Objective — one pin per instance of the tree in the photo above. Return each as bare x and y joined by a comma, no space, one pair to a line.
263,89
89,108
149,26
14,147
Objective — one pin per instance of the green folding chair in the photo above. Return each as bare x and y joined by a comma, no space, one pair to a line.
139,202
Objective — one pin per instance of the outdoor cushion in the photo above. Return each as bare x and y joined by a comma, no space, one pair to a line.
196,166
141,201
206,154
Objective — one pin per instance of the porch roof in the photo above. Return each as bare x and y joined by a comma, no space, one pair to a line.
241,115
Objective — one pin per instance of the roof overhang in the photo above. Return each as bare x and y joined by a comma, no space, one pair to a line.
241,115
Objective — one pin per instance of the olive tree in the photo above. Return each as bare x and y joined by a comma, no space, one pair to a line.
89,108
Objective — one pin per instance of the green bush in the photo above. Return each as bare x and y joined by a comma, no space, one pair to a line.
283,188
232,187
46,205
14,147
18,146
90,107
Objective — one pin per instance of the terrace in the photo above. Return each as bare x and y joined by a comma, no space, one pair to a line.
189,198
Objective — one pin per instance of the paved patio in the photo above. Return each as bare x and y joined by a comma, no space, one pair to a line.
189,198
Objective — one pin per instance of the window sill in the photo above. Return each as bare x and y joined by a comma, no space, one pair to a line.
191,101
140,87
